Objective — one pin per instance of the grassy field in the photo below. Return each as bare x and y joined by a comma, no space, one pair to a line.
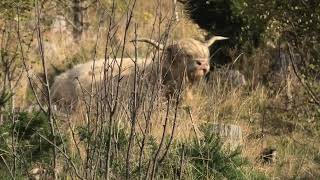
149,137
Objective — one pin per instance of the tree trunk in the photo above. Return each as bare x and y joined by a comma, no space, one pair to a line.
77,20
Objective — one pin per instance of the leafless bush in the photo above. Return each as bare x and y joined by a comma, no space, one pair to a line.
124,122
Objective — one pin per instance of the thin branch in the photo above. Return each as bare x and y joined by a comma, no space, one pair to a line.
63,153
305,85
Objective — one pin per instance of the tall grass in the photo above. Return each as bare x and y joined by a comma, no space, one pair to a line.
126,128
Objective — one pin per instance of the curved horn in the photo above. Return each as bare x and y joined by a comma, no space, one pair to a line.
214,39
150,41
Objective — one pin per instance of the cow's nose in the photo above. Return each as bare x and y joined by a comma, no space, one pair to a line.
202,65
206,69
205,66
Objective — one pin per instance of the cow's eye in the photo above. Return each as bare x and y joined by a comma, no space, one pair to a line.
198,62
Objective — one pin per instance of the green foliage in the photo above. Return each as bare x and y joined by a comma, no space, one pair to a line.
4,98
10,8
317,159
248,20
253,23
227,18
26,131
120,5
208,159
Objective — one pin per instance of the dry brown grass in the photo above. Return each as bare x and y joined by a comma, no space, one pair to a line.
62,52
210,103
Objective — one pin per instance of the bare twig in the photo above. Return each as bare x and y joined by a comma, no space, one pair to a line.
181,162
64,154
193,125
155,159
49,111
134,108
304,84
177,100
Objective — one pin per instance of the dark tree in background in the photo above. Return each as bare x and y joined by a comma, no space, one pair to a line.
77,19
253,23
214,16
220,17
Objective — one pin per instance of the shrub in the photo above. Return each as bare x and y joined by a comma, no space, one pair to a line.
25,135
209,160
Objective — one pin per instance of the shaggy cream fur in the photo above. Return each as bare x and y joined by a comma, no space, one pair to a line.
182,64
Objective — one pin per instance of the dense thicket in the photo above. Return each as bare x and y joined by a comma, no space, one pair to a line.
253,23
102,139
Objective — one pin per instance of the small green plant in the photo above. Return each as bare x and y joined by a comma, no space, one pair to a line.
4,98
207,159
24,138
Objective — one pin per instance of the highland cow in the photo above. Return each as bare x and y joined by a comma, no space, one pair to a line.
182,64
185,62
76,83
